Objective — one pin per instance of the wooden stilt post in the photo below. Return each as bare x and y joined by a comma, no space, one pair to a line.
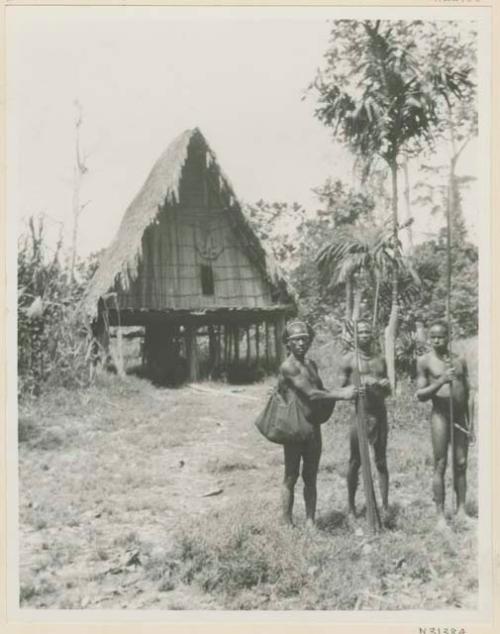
148,348
267,344
276,346
226,346
143,350
218,351
247,330
212,350
279,328
167,352
257,341
230,344
119,362
236,335
192,354
100,352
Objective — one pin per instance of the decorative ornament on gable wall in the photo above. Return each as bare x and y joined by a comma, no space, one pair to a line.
209,241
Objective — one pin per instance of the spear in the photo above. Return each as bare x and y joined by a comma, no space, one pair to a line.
448,321
371,503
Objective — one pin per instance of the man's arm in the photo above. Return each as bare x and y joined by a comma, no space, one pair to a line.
425,389
320,384
345,371
380,382
344,393
384,383
301,384
468,402
294,377
465,370
470,407
466,384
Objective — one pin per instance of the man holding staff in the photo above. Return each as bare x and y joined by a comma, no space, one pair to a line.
374,388
443,377
300,375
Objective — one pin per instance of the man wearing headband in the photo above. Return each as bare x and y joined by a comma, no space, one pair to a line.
300,375
375,388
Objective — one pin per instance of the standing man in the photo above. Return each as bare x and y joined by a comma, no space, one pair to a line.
300,375
439,376
375,387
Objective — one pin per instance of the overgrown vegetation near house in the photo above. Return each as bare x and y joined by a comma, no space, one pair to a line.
54,340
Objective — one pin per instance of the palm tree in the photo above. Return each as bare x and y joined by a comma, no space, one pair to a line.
380,101
357,252
361,257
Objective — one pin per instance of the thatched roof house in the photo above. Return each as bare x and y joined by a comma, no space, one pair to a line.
184,260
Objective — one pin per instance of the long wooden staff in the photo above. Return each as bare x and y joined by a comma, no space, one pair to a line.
371,503
448,320
452,421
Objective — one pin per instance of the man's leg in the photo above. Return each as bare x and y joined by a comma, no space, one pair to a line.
461,442
353,469
380,451
440,433
310,466
292,466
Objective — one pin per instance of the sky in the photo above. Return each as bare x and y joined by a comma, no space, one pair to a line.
142,77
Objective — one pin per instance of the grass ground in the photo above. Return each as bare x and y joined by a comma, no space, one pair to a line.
137,497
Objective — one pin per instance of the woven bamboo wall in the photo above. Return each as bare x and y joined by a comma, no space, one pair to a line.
186,236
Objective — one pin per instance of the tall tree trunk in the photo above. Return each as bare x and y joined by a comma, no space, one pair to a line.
357,301
375,302
348,299
452,211
392,326
449,207
77,177
79,171
407,203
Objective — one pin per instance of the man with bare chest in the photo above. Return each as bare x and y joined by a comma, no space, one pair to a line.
300,375
374,389
439,376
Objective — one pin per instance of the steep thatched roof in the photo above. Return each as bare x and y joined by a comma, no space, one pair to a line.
122,257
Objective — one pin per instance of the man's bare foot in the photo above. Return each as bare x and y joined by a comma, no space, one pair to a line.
462,520
354,524
359,532
310,525
385,516
441,524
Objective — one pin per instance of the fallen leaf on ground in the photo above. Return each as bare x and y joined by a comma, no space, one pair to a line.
212,493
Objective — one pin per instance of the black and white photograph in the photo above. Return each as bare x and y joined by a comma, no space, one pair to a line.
248,290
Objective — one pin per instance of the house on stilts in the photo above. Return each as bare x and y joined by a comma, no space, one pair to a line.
187,267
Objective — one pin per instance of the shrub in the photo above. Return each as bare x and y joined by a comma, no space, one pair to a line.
53,339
